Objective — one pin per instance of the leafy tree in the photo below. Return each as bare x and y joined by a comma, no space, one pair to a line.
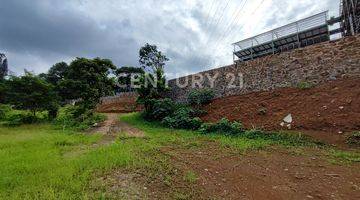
152,58
31,93
88,79
152,84
57,73
124,75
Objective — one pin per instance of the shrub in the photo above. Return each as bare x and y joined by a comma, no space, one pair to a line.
183,118
4,110
158,109
354,139
224,126
19,118
77,117
201,96
305,85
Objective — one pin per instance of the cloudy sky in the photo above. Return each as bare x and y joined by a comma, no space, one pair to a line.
194,34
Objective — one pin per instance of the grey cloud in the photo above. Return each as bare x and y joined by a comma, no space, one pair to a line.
36,34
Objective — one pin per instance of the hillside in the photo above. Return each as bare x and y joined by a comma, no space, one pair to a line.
332,107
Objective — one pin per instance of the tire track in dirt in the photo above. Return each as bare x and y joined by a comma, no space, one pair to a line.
112,128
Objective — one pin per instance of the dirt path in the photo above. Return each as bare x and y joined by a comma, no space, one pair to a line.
271,174
112,128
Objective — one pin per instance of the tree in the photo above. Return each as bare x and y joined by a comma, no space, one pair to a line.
57,73
125,74
3,66
31,93
88,79
151,57
153,61
55,76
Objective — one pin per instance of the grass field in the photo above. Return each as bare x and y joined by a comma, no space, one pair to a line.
41,162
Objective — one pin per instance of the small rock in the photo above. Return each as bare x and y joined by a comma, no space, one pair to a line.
289,126
288,119
309,197
145,188
206,170
286,170
341,107
282,124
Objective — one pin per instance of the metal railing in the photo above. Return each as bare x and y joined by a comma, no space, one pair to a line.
281,32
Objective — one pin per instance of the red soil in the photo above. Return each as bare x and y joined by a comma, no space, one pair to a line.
332,107
120,105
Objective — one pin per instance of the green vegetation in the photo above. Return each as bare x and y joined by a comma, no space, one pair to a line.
190,177
224,126
31,93
354,139
152,85
183,118
305,85
42,162
200,97
74,117
12,117
340,157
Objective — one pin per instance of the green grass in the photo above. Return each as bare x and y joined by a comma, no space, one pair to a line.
42,162
340,157
190,177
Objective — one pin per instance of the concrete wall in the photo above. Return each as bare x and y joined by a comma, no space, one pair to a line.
313,64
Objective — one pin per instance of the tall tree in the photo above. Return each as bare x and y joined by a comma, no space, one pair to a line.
88,79
151,58
57,73
153,61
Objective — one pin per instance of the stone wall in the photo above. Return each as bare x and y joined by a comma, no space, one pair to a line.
314,64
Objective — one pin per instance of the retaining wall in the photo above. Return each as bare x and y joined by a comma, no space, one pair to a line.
314,64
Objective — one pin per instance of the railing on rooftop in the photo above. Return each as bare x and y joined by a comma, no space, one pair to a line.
284,38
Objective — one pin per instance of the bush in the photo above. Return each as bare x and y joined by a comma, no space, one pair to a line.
305,85
224,126
158,109
4,110
354,139
201,96
19,118
183,118
78,118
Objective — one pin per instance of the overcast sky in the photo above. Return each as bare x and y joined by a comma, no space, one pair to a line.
194,34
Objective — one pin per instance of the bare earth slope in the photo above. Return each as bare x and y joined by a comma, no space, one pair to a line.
332,107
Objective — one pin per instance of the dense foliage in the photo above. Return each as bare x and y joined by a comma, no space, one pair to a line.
30,92
183,118
158,109
75,117
200,96
224,126
88,80
152,85
12,117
